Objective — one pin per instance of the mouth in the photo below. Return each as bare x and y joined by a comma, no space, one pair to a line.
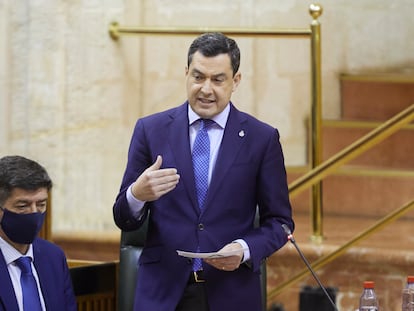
206,101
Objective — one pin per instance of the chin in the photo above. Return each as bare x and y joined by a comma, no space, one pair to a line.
207,113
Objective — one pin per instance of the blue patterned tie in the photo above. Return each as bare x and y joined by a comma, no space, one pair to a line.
201,162
31,300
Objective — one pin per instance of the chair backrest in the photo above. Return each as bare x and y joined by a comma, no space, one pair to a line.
94,286
131,247
132,243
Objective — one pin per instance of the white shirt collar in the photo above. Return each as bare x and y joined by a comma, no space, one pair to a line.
11,254
220,119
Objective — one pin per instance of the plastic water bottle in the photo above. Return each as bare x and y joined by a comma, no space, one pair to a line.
408,295
368,300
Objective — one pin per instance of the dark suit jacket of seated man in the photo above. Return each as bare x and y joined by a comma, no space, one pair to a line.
24,188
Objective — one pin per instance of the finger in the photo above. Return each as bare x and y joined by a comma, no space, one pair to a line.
165,188
156,165
167,174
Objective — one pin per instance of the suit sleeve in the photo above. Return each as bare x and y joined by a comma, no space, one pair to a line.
138,160
273,203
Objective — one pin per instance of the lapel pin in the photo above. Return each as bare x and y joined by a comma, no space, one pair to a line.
241,133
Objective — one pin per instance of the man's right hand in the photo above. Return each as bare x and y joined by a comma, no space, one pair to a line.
155,182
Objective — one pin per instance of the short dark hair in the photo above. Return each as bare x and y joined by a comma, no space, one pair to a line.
212,44
20,172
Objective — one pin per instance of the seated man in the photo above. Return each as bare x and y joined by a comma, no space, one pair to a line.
33,272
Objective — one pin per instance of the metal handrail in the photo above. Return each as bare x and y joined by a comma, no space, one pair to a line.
314,33
363,144
115,31
342,249
358,147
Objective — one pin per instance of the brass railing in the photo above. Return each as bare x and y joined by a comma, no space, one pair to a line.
358,147
343,248
363,144
115,31
314,34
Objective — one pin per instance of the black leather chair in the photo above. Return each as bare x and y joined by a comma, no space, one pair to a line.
131,247
132,243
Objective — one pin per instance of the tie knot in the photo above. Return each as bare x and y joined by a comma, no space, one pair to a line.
206,123
24,263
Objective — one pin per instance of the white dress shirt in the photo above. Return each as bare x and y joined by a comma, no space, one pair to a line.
10,255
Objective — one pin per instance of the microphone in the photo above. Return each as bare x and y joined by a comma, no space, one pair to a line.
292,240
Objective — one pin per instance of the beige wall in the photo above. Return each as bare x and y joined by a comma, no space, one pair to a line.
69,95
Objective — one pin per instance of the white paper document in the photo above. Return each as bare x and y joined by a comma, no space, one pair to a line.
208,255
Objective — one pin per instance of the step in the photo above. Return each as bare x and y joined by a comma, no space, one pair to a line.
375,97
395,152
353,191
386,257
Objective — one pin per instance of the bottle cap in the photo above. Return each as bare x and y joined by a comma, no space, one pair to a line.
369,284
410,279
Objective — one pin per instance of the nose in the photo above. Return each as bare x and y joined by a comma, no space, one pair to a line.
36,207
33,208
206,87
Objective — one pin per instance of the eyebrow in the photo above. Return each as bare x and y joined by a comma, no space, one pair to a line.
196,71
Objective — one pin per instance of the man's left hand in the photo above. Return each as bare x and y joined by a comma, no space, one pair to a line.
228,263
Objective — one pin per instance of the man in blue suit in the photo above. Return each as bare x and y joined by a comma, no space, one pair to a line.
24,188
246,171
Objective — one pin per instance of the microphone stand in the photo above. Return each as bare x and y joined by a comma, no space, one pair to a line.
292,240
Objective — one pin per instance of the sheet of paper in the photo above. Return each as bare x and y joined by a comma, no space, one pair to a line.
207,255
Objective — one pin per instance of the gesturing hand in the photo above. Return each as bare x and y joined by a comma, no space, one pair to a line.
155,182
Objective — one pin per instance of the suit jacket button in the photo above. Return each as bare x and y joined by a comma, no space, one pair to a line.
200,227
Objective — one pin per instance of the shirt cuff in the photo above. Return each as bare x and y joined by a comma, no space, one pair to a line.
246,255
136,206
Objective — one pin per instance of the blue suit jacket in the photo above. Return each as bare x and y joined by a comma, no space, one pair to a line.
54,278
249,173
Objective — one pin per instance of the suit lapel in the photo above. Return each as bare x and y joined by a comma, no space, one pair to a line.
233,138
7,296
42,271
180,144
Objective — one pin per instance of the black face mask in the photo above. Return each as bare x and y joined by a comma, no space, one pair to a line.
21,228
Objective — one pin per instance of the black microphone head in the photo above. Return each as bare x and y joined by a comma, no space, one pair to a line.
286,228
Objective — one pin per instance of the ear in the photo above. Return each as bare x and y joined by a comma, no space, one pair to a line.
186,70
236,80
